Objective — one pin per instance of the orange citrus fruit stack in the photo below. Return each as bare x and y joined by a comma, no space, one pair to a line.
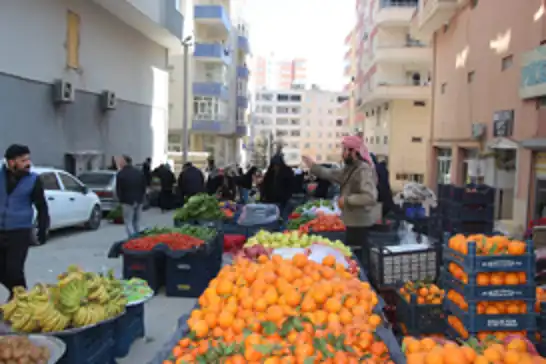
430,351
284,311
425,293
485,245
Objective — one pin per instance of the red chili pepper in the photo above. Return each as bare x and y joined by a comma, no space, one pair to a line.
174,241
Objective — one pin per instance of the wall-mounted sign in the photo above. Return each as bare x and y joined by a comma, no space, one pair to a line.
533,73
503,123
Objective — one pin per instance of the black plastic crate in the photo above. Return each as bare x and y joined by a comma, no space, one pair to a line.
456,226
472,194
149,266
129,328
419,319
94,345
470,213
390,266
451,333
504,322
188,273
474,292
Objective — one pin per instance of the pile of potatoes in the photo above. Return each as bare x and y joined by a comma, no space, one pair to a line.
20,350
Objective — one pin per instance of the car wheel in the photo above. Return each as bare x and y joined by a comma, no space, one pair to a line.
95,218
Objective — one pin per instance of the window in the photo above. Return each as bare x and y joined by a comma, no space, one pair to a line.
470,77
507,62
49,181
419,178
241,87
377,140
282,121
295,122
240,116
266,109
282,110
208,108
295,133
281,133
296,98
443,88
416,139
385,139
339,122
281,97
443,161
419,103
72,40
307,145
330,112
69,183
265,97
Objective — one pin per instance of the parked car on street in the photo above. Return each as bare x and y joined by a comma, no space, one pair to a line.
70,202
103,183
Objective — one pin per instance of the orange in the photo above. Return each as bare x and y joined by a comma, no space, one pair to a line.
225,320
332,305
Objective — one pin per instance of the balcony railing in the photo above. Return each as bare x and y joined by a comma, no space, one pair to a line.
216,13
212,51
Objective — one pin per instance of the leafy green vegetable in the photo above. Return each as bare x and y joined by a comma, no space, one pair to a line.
200,207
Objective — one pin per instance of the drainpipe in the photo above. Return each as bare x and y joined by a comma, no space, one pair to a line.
431,153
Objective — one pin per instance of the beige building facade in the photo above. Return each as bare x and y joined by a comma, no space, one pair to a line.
395,91
489,115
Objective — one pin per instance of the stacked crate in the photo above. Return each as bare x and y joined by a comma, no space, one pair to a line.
467,210
489,294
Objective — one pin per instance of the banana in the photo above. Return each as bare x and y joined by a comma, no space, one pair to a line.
8,309
19,321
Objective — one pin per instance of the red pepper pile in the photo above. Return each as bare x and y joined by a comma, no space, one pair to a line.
175,241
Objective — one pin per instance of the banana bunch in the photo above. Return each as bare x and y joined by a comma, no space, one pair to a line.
19,311
73,293
89,315
98,291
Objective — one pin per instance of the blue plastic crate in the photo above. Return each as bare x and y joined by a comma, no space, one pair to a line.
419,319
470,213
473,263
452,334
149,266
473,292
128,328
505,322
188,273
95,345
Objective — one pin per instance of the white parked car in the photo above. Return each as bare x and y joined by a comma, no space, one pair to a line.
70,202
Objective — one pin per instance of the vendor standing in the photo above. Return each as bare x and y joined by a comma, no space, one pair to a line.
358,191
19,190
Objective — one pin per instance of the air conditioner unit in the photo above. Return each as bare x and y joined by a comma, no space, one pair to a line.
63,92
108,100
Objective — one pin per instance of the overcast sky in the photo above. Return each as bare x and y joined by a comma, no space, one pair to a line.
312,29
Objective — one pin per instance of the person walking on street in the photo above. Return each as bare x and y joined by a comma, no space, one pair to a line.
131,189
277,185
358,192
19,190
190,181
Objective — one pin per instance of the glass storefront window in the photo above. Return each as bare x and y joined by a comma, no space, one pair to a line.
443,162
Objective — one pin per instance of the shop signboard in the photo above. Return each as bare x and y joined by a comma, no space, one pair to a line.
533,73
540,165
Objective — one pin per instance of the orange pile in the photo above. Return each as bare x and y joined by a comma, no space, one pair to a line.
284,311
488,279
323,223
430,351
494,245
489,307
426,293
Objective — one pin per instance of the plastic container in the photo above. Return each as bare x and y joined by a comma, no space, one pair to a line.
473,263
95,345
505,322
470,213
472,194
149,266
456,226
419,319
392,265
129,328
188,273
473,292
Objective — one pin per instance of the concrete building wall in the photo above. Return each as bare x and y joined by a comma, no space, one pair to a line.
113,57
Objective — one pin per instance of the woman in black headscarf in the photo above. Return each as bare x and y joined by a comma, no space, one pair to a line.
277,184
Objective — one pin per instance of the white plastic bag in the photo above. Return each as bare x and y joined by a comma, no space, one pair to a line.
409,237
288,253
258,214
319,252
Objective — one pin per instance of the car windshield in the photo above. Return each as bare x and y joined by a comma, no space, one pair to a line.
96,179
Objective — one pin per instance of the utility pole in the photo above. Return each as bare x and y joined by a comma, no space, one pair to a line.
186,43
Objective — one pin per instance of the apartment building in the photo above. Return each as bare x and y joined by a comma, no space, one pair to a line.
489,119
84,80
304,122
395,92
278,74
218,94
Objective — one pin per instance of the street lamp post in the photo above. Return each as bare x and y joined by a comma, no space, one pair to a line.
186,44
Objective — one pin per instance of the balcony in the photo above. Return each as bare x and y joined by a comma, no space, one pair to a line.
212,89
214,17
243,72
243,44
212,52
383,92
395,13
403,55
431,16
206,126
242,101
161,21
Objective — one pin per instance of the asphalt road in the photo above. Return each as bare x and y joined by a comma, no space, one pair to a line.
89,250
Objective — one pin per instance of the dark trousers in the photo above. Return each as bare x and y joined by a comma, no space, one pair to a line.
166,199
13,254
356,237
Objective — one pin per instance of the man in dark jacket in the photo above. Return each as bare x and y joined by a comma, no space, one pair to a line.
190,181
147,170
167,180
19,190
384,192
131,189
277,184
